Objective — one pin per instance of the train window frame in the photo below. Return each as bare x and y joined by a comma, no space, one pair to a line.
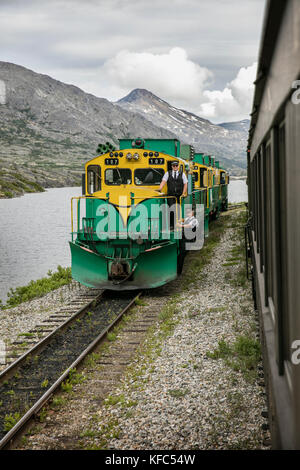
203,173
151,183
196,175
222,177
93,175
120,170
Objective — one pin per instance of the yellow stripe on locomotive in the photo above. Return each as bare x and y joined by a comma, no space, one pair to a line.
117,185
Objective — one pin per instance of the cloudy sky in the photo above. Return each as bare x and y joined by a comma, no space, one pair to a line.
199,55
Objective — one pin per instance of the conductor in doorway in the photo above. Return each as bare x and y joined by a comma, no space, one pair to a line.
177,185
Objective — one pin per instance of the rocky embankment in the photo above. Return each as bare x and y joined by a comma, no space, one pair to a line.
50,129
16,180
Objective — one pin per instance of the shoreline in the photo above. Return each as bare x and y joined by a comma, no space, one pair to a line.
37,188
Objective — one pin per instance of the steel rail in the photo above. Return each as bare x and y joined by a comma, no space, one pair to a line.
11,435
8,371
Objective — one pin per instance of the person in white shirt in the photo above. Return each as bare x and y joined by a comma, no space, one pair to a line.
189,225
177,186
177,181
190,221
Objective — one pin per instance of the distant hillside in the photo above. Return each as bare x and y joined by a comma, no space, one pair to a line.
226,141
239,126
50,129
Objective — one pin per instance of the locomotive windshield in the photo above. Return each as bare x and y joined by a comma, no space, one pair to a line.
118,176
148,176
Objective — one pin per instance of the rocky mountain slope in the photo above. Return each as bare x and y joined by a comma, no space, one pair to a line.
226,141
50,129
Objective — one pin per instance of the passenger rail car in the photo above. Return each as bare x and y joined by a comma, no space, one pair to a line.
274,208
123,237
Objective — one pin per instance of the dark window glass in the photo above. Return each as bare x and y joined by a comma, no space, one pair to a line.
222,178
195,173
148,176
117,176
93,178
202,173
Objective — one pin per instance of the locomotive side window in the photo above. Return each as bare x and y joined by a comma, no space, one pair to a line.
222,177
148,176
117,176
196,176
93,178
203,172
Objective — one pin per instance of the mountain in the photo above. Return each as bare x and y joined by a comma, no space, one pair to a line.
240,126
226,141
50,129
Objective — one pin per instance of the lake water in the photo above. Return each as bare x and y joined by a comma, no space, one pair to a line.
237,191
35,230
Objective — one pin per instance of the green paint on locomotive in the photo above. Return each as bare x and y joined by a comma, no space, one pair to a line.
167,146
136,249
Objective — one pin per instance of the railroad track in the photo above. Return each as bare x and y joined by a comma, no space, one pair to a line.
28,383
236,206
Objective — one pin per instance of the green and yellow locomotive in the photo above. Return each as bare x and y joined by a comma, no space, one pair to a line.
124,237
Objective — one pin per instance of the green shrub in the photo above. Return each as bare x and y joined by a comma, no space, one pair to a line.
40,287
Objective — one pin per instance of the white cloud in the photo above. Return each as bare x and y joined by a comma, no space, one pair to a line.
173,57
171,76
175,78
234,101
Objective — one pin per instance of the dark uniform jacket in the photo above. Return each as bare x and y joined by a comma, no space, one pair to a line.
175,185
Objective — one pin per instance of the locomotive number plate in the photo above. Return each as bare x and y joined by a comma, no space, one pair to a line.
111,161
156,161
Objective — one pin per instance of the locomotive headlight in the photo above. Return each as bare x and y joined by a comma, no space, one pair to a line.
129,156
136,156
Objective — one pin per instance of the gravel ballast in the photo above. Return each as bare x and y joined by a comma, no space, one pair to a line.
187,387
189,400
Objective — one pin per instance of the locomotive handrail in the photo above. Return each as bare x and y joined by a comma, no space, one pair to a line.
78,198
154,196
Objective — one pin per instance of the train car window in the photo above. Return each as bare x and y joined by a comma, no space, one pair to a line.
222,178
93,178
148,176
202,175
195,173
117,176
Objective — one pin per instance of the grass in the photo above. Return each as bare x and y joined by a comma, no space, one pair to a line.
17,184
113,400
74,378
58,402
10,421
140,302
39,288
177,393
243,355
111,336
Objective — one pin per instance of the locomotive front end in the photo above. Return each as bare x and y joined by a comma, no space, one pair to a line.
122,239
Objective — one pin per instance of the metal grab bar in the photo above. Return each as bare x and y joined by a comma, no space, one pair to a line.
132,198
